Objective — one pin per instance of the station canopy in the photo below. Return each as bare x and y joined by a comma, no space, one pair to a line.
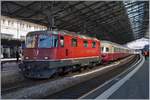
116,21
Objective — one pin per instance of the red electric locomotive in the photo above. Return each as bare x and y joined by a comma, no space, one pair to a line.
51,52
112,51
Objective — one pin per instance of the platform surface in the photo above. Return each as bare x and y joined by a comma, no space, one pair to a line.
137,87
9,59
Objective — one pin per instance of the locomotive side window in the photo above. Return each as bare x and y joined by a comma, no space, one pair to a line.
62,41
30,41
46,41
93,44
74,42
85,43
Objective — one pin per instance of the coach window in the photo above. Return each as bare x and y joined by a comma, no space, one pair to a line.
62,41
107,49
74,42
93,44
118,49
114,49
85,43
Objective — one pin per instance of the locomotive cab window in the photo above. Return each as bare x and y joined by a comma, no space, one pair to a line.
46,41
62,41
74,42
85,43
93,44
30,41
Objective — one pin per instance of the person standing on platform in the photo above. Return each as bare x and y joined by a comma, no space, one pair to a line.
17,55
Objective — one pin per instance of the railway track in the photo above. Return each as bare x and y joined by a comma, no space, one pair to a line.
78,91
24,84
29,83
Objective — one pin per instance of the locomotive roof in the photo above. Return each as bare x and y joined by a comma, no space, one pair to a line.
64,32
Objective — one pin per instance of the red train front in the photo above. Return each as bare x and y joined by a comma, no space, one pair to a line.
51,52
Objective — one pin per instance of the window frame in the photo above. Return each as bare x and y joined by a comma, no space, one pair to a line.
34,41
93,45
84,43
50,36
63,42
72,44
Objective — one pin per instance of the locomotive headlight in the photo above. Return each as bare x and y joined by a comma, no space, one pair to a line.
26,57
45,57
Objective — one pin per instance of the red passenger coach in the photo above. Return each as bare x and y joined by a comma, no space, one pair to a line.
112,51
51,52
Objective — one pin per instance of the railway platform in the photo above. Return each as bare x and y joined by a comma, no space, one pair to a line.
10,73
134,85
8,59
9,64
137,87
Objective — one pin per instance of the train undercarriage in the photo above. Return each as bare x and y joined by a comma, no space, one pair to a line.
46,69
